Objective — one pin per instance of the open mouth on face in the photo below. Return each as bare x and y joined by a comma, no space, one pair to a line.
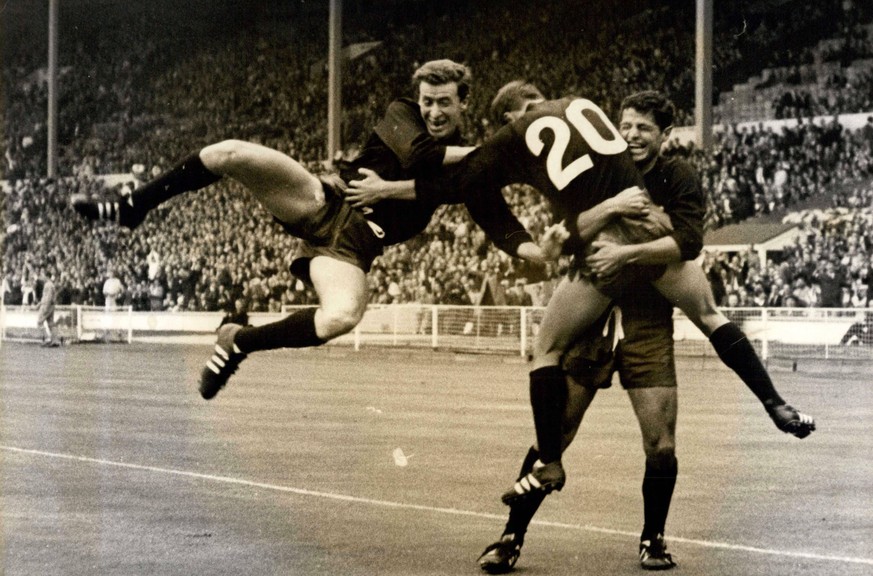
637,149
437,124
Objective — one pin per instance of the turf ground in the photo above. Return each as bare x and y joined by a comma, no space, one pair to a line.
110,463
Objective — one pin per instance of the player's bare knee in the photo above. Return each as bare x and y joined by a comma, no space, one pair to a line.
661,456
338,321
219,157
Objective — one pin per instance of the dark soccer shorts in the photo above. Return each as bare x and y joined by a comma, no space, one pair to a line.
643,358
338,231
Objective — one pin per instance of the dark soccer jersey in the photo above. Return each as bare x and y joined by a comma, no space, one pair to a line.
674,186
401,148
567,149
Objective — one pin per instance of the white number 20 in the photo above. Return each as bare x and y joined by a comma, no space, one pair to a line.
559,174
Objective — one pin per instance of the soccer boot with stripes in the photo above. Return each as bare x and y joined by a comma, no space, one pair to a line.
654,555
543,478
114,208
790,421
500,557
223,363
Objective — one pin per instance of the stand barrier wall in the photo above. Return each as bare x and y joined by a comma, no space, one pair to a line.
776,332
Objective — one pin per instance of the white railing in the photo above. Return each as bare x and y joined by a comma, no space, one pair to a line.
776,332
74,323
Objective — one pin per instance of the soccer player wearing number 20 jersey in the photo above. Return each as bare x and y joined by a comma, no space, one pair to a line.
570,151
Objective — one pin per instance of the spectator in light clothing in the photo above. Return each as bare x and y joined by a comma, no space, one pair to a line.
112,290
28,288
154,263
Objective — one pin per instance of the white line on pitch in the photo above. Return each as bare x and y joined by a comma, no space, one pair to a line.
453,511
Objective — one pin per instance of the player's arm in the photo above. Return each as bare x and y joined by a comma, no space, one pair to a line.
371,188
609,257
633,202
686,208
549,248
479,181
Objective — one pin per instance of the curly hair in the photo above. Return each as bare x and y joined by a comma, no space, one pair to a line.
439,72
652,102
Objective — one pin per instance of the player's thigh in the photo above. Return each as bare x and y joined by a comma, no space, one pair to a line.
574,306
285,188
656,410
342,290
685,285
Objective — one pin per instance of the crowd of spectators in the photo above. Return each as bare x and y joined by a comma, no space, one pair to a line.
838,95
759,171
140,91
830,264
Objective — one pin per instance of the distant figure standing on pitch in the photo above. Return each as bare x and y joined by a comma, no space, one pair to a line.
46,318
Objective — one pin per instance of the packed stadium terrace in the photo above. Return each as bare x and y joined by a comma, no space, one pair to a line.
142,87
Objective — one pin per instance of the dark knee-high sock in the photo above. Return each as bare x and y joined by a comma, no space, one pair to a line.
737,353
522,510
658,484
548,398
295,331
190,174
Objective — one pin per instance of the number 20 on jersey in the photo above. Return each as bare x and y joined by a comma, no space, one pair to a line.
559,174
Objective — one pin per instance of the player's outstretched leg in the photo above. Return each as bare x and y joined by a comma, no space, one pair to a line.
235,342
686,287
224,362
341,288
790,420
130,211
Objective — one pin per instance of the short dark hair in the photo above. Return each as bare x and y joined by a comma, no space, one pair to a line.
652,102
512,96
439,72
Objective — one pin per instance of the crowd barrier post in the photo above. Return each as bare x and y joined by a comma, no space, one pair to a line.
765,347
434,322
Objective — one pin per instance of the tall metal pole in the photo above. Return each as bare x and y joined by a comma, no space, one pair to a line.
703,75
52,112
334,80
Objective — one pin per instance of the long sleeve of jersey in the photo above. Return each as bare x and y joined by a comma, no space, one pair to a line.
402,130
675,186
480,181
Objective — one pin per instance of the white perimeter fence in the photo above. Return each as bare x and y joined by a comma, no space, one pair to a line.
776,332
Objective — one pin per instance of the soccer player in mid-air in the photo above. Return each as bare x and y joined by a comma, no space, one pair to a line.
570,151
415,140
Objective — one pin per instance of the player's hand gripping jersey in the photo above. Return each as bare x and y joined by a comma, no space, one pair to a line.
567,149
